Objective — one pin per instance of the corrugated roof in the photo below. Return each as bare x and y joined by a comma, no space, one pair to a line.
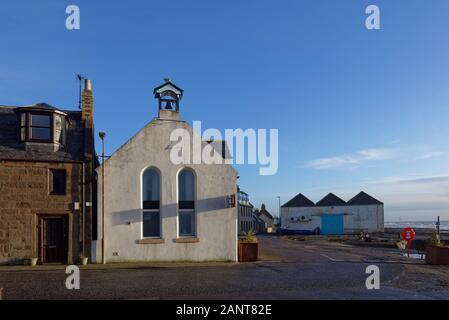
363,199
331,200
299,201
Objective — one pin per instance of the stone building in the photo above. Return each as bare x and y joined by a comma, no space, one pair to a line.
248,220
47,182
158,209
266,217
332,215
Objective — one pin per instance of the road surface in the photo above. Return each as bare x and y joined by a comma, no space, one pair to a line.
288,270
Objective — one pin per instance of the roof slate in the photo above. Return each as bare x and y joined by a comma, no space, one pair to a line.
331,200
363,199
299,201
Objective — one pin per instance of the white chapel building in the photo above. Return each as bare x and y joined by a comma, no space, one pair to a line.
155,210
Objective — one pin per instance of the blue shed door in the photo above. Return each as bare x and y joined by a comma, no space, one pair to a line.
332,224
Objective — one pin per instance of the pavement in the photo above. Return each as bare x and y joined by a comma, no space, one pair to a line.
315,268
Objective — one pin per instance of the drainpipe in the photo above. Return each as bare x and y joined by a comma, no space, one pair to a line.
84,205
279,211
102,210
103,244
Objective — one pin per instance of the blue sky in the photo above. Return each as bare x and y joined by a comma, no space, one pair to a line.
356,109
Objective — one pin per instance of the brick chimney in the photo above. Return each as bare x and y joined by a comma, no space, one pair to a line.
87,114
87,101
90,160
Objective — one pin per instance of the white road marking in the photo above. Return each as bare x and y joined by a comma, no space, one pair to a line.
331,259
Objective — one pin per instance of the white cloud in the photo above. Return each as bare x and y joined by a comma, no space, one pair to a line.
411,178
430,155
351,160
358,158
416,199
413,197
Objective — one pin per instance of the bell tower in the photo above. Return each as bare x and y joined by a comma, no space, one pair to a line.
168,96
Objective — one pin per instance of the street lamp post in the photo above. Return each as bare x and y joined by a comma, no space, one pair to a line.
438,226
103,247
279,209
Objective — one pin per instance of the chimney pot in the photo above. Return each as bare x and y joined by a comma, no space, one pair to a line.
87,85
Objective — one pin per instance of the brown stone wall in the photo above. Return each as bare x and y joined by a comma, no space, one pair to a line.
24,193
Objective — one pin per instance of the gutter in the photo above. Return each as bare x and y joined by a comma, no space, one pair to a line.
49,161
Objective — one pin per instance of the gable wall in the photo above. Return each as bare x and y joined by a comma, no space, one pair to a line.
216,225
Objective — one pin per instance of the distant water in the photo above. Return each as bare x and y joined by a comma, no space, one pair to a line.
444,225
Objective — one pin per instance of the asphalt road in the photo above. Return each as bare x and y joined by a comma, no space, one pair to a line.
288,270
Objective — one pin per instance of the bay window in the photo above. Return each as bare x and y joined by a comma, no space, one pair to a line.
40,126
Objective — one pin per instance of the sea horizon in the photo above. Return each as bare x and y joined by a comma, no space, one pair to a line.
444,224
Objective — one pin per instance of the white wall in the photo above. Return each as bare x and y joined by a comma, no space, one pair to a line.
216,224
368,218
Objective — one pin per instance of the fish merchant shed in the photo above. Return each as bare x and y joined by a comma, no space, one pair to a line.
332,215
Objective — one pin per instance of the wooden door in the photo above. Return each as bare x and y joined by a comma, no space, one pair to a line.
53,239
332,224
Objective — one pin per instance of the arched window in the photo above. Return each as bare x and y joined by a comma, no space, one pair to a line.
186,203
151,202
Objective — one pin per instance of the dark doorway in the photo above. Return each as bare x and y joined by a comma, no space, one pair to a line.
53,239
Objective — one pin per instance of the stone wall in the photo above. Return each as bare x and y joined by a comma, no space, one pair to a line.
24,193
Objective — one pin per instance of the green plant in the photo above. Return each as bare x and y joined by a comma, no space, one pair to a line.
434,239
402,244
249,237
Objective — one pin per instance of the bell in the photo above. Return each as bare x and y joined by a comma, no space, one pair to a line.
168,105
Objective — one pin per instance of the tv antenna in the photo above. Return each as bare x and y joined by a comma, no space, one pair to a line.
80,78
